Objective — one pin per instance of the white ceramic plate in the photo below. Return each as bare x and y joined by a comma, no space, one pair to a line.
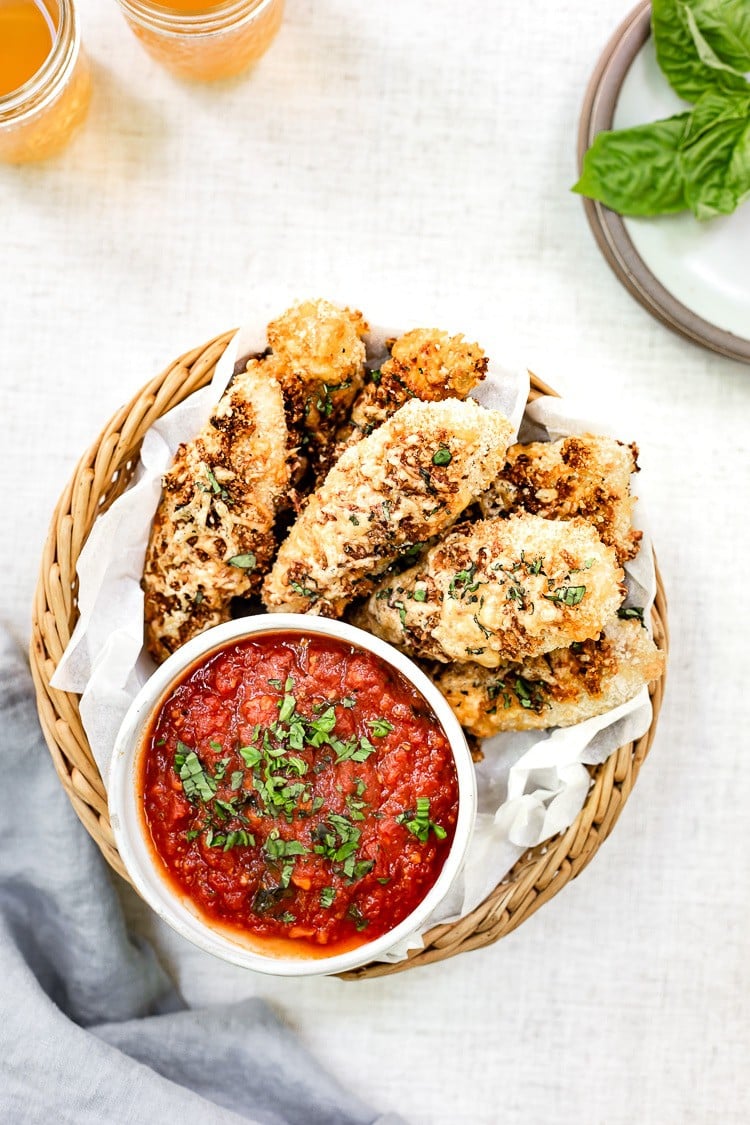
693,276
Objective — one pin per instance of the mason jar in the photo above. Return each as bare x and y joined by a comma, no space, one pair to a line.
204,40
39,117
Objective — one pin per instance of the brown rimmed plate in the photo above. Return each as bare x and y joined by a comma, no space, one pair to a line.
689,275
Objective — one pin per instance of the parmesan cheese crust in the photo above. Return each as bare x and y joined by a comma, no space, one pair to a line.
318,357
499,590
578,476
387,495
562,688
219,504
426,364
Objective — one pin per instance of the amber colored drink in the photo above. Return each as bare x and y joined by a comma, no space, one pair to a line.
193,6
205,39
44,78
26,37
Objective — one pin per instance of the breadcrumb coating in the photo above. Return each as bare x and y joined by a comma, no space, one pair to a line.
515,613
385,497
426,364
585,476
499,590
433,365
318,357
218,504
563,687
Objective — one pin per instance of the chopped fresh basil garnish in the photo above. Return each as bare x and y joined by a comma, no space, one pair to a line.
380,727
465,580
303,591
195,781
356,915
247,561
250,755
567,595
631,613
220,768
418,822
482,628
530,693
286,708
215,486
276,848
180,755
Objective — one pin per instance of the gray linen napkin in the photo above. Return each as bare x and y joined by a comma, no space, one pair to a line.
91,1030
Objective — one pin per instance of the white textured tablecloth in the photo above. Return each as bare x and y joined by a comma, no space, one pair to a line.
415,158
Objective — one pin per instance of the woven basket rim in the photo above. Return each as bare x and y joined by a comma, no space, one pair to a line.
101,475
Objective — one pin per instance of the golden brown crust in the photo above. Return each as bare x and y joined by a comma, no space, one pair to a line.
433,365
219,503
499,590
563,687
426,364
318,357
223,492
395,489
514,613
585,476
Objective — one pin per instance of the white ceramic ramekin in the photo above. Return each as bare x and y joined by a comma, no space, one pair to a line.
137,854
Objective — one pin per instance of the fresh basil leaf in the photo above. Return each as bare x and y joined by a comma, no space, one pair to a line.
715,155
728,77
725,27
637,171
685,55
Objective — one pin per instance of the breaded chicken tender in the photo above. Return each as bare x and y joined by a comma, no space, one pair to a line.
212,537
578,476
499,590
318,357
388,494
561,688
425,363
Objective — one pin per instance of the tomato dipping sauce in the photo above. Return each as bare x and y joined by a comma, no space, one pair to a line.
300,791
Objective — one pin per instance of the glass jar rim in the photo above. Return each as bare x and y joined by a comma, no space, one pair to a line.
158,15
43,82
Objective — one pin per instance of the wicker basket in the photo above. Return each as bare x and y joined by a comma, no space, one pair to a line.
101,476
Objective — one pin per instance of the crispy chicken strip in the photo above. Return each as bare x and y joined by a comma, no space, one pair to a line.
318,357
559,689
391,492
577,476
425,363
499,590
212,536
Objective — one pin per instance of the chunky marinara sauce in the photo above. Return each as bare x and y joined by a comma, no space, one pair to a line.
299,788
